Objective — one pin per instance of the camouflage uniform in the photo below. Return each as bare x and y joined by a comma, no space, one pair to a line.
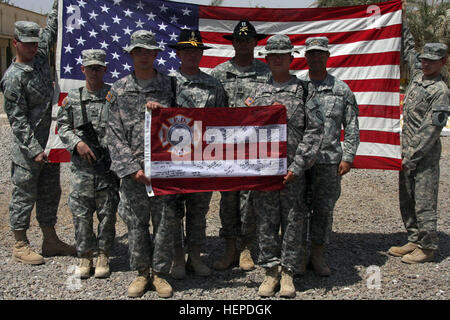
90,189
236,214
28,92
425,113
199,91
339,106
286,208
125,136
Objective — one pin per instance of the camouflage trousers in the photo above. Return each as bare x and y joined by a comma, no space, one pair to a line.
136,208
286,209
38,185
418,195
323,190
237,215
91,193
195,206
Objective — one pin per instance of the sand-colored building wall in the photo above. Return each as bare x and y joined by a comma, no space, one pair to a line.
8,15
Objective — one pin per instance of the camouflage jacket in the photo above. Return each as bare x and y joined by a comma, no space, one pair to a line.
200,91
28,92
126,117
240,86
71,120
425,110
304,121
339,106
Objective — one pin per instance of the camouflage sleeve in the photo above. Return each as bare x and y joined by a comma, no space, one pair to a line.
430,130
351,127
15,106
409,53
308,149
222,98
49,34
65,127
122,161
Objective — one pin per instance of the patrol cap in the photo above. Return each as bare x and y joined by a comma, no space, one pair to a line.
189,39
434,51
317,43
27,31
142,39
278,43
244,30
93,57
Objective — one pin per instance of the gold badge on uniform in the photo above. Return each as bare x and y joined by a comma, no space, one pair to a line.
249,101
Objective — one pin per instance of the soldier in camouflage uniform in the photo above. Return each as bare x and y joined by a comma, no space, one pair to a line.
193,89
28,90
425,113
286,208
339,106
93,187
128,99
240,76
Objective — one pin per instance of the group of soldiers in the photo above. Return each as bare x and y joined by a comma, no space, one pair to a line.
102,127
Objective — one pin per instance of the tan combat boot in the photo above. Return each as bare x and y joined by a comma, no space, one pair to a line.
245,257
230,256
85,267
287,288
419,255
178,271
139,285
270,283
52,246
194,263
102,265
22,252
401,251
162,287
317,261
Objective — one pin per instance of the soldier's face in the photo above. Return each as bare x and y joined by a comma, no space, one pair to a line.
244,46
94,73
317,59
143,58
25,50
432,68
190,57
279,62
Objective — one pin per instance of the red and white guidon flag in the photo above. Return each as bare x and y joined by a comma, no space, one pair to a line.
215,149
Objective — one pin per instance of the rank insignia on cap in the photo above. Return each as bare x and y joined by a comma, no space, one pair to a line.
249,101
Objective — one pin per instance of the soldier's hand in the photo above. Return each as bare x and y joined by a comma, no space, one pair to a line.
41,158
85,152
140,176
344,167
152,105
290,176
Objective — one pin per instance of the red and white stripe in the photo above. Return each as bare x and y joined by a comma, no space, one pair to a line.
245,148
365,53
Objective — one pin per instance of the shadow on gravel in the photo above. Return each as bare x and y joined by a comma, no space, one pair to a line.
348,252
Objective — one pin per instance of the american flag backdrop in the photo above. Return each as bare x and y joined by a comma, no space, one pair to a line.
365,46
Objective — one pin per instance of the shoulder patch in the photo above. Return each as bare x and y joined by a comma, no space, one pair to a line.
109,96
249,101
64,102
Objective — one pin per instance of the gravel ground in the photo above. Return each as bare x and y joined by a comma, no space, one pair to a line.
366,223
